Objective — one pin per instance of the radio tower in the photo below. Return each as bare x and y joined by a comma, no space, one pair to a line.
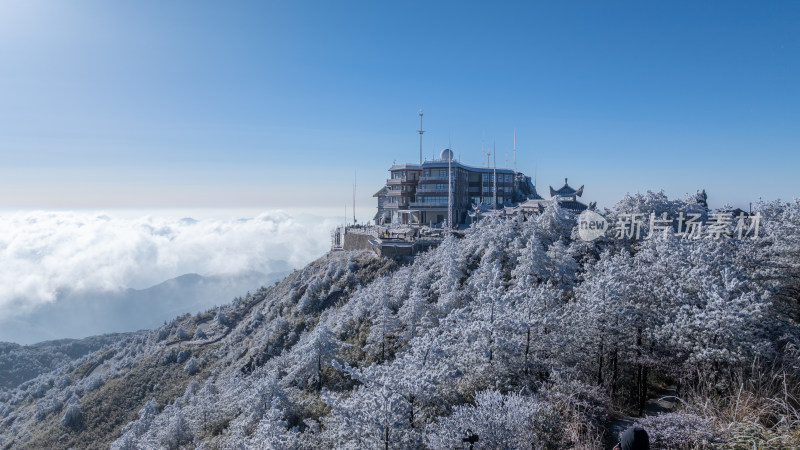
494,175
420,136
449,185
355,178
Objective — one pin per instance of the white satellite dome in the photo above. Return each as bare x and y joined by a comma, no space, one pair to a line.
447,154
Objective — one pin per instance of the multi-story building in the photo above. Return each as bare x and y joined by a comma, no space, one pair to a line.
420,193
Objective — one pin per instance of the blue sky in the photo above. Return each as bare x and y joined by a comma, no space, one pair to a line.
150,104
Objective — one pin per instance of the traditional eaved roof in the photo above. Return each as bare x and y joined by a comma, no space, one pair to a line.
572,205
566,191
384,190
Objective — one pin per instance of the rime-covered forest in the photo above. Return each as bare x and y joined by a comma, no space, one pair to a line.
518,331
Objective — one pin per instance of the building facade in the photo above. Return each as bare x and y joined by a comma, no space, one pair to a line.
419,194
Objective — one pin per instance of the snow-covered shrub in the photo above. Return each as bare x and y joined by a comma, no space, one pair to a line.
679,431
63,381
181,332
199,334
499,421
72,416
92,382
170,356
183,355
162,333
222,318
39,388
46,406
133,430
192,367
176,432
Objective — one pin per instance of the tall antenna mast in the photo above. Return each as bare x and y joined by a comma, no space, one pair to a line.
494,156
483,149
420,136
515,151
449,185
355,175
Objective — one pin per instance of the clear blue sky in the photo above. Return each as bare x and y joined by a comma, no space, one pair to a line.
189,104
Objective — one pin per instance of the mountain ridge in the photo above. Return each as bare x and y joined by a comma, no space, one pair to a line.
517,332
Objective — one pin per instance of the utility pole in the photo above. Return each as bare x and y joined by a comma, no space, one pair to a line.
420,136
355,178
494,156
449,185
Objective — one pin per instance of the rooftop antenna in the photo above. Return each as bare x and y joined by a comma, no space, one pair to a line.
449,185
506,157
420,136
355,177
483,149
515,150
494,156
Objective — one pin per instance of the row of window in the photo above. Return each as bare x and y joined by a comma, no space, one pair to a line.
489,200
489,178
486,199
436,199
401,175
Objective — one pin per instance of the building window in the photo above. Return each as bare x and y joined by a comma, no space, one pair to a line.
427,172
442,172
434,199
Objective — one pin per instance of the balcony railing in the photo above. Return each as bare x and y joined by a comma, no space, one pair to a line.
429,205
395,181
434,178
396,205
422,188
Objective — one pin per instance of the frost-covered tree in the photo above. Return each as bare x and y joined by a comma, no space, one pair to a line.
498,421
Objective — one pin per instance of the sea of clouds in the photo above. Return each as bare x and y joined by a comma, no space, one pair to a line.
45,256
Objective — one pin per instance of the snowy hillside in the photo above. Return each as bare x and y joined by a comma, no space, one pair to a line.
20,363
518,332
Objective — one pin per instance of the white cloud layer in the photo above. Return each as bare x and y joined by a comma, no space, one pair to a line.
45,255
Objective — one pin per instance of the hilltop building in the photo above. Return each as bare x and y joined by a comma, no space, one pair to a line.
419,194
566,196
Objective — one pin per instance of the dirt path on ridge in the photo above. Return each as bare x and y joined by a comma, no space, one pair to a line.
663,400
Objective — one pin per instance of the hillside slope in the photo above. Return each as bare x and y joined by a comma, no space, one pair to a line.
517,332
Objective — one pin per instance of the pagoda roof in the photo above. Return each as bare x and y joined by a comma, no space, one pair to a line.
566,191
572,205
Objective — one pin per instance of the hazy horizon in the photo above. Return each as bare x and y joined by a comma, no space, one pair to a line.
84,257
